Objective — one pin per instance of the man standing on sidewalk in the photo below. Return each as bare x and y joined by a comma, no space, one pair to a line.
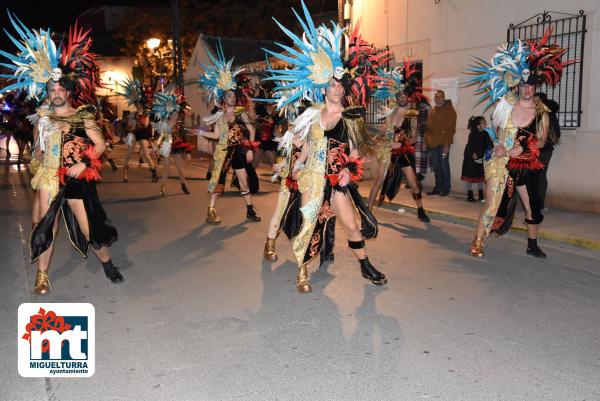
441,126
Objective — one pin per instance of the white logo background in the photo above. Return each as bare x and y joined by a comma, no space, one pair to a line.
54,367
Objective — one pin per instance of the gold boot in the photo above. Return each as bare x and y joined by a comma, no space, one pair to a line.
302,280
211,216
125,169
163,191
42,283
477,248
269,252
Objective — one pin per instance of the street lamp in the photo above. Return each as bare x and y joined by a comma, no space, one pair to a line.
347,10
153,43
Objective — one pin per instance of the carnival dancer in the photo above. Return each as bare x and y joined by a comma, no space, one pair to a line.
330,162
170,107
72,140
106,129
140,130
230,89
396,155
286,217
520,129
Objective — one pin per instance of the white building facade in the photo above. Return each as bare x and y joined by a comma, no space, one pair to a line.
445,34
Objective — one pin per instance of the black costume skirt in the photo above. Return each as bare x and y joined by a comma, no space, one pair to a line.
142,134
102,231
323,237
291,221
236,159
510,199
393,178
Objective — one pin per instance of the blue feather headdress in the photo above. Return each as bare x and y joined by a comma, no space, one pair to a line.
390,84
505,71
315,61
34,64
220,77
166,103
131,90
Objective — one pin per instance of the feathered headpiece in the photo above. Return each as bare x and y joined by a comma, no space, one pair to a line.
406,79
166,103
533,62
504,72
80,67
220,77
364,63
545,61
318,57
36,62
39,61
280,98
136,93
316,60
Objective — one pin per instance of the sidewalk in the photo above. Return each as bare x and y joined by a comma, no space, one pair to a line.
573,228
580,230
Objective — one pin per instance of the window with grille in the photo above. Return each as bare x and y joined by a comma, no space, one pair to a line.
568,31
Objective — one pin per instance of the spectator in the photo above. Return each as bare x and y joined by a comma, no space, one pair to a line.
472,167
553,140
441,126
422,160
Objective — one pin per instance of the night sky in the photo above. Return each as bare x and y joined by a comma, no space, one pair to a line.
60,14
57,14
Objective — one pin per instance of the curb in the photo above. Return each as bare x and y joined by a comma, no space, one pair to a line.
550,235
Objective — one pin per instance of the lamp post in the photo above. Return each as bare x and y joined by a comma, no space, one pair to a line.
156,58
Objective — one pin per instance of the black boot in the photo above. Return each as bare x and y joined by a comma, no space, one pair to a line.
371,273
185,189
470,197
251,213
481,197
112,164
154,175
533,249
421,215
141,161
112,272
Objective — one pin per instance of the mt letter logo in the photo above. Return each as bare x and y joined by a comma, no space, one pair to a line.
56,340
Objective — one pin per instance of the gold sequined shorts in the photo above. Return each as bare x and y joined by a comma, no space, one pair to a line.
384,154
34,166
46,178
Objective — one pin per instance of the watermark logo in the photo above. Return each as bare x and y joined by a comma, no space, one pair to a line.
56,340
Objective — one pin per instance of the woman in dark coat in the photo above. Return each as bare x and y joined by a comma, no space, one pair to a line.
472,167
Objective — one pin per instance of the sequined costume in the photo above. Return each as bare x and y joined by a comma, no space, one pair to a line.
401,157
49,142
75,147
522,170
230,152
319,69
515,65
324,160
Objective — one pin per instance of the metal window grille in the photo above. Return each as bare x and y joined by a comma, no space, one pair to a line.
568,32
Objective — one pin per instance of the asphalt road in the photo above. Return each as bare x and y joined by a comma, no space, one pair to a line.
201,316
